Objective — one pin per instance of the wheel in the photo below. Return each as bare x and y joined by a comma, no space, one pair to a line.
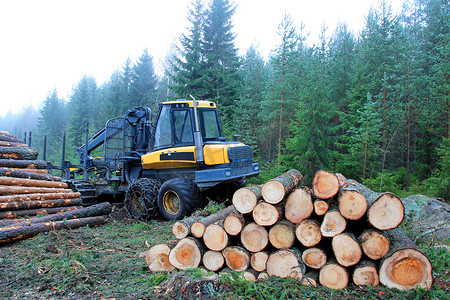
178,197
224,192
141,198
86,189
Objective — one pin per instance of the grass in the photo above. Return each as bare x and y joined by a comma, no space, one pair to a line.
103,262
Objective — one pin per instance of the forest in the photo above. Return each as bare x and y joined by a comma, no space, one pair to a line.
374,106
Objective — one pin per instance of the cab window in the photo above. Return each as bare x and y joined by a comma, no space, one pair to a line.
209,124
183,126
163,134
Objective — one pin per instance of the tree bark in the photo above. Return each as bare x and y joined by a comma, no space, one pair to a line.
182,228
321,207
254,237
246,198
405,266
236,258
266,214
234,223
365,273
8,235
308,232
286,263
258,260
11,181
215,237
213,260
346,249
314,257
333,223
157,258
282,235
30,197
385,210
325,184
6,137
34,212
298,205
311,279
12,144
25,164
186,254
20,205
14,190
333,276
199,227
276,189
27,153
20,173
374,244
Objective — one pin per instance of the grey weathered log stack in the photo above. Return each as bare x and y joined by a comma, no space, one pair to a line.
335,233
34,201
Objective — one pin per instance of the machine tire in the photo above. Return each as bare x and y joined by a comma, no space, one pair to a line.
141,198
178,197
86,189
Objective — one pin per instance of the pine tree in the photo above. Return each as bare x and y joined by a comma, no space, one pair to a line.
143,82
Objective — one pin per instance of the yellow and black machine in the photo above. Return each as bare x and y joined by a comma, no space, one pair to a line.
168,167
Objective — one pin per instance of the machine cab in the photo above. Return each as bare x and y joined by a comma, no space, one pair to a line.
176,124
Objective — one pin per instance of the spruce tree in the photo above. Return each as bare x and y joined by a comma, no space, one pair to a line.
143,82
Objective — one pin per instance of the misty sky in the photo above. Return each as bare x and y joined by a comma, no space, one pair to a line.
51,44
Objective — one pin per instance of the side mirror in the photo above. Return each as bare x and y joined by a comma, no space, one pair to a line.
236,137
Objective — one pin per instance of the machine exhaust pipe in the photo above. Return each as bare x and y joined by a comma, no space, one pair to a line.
198,140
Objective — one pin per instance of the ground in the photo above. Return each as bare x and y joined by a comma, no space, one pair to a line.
104,262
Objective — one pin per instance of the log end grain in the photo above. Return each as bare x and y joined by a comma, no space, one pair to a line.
308,233
236,258
244,200
314,258
215,237
333,276
233,224
352,204
333,224
273,191
198,229
374,244
386,212
180,230
366,275
281,235
254,237
157,258
285,263
298,205
186,254
265,214
258,261
325,184
346,249
213,260
321,207
406,269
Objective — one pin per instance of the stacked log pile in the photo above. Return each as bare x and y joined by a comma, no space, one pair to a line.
335,233
27,191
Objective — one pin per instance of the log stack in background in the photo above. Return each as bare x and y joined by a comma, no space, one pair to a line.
27,191
333,234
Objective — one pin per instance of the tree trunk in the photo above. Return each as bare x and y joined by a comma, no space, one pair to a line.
308,232
333,276
246,198
374,244
321,207
30,197
314,257
254,237
236,258
325,184
234,223
6,137
286,263
333,223
199,227
385,210
39,204
12,144
186,254
213,260
365,273
276,189
25,164
11,181
34,212
311,279
20,173
266,214
352,204
182,228
405,266
215,237
263,276
14,190
157,258
298,205
346,249
258,260
24,232
27,153
250,275
282,235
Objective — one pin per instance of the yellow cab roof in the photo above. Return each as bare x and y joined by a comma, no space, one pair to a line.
200,103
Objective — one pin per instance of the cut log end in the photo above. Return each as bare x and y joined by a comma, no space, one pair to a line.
325,184
233,224
346,249
352,204
273,192
266,214
245,199
186,254
333,224
285,263
254,237
333,276
386,212
258,261
213,260
308,233
157,258
215,237
374,244
236,258
320,207
314,258
298,205
406,269
366,274
281,235
180,230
